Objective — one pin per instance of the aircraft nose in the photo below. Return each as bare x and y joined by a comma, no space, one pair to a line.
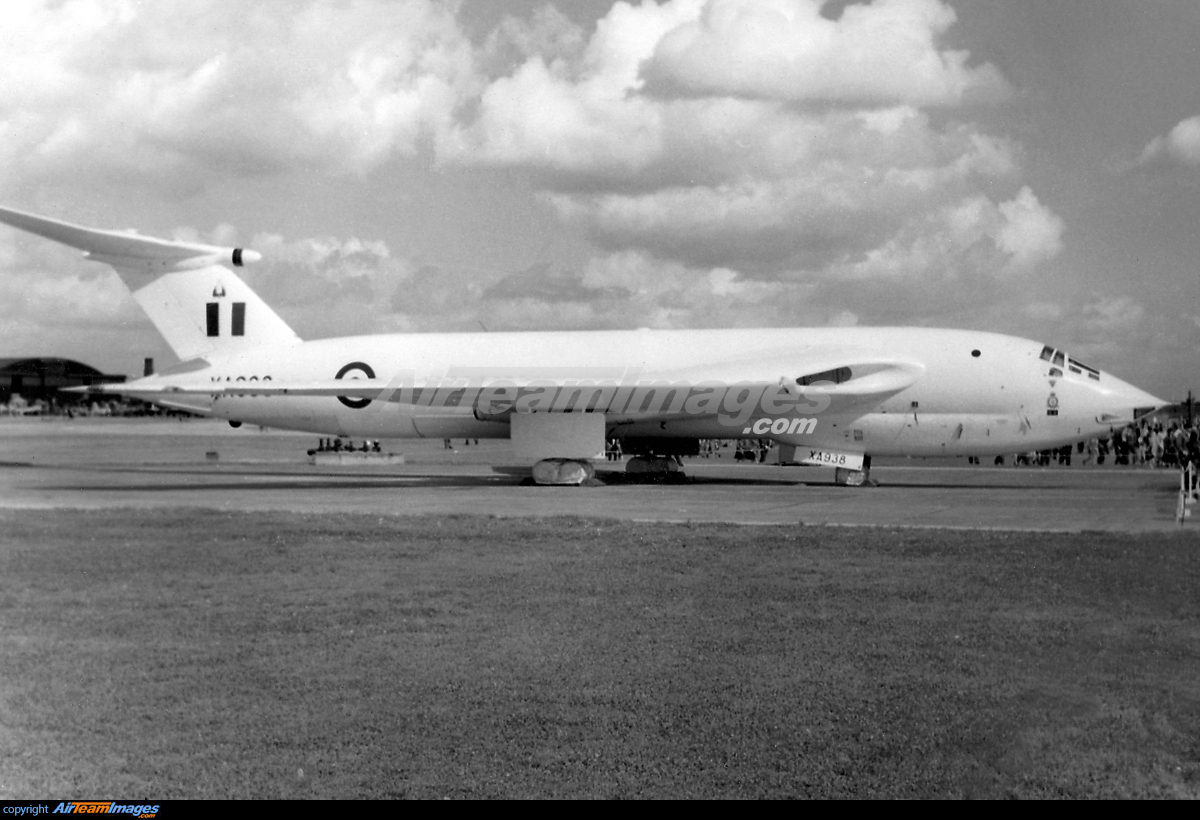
1122,403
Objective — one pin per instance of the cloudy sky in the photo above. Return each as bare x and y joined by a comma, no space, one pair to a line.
413,165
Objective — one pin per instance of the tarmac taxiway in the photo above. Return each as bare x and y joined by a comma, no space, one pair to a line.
146,464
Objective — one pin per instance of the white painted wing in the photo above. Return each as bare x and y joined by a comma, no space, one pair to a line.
352,388
870,381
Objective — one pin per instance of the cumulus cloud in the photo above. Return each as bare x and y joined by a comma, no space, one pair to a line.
544,283
73,301
671,128
766,138
732,162
1110,313
1044,311
53,303
1180,146
970,238
618,290
883,54
548,34
852,187
535,117
1030,233
607,107
154,90
327,286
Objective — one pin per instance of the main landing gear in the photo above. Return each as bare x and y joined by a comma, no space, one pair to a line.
574,472
563,472
560,445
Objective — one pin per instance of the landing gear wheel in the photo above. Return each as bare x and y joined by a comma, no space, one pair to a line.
563,472
850,478
855,478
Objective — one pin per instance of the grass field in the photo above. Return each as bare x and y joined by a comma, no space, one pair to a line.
188,654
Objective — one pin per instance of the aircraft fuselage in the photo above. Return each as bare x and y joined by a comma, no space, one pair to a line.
970,393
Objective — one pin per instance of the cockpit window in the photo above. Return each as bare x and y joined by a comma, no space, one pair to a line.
1061,359
1092,372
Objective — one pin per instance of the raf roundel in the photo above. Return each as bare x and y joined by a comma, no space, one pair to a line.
353,369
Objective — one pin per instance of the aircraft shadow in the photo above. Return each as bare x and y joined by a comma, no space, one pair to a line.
303,485
176,478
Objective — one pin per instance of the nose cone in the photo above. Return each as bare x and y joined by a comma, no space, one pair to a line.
1122,403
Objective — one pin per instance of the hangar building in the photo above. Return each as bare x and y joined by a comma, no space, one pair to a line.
36,378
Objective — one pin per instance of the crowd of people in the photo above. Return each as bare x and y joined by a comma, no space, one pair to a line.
336,445
1148,443
754,450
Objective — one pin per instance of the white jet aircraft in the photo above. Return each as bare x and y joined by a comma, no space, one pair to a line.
828,396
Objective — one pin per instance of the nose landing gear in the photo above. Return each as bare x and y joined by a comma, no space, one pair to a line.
855,478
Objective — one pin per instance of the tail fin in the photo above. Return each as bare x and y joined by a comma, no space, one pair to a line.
198,304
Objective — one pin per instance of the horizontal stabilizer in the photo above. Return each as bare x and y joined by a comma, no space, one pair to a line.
125,248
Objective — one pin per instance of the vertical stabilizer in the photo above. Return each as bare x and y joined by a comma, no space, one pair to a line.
188,290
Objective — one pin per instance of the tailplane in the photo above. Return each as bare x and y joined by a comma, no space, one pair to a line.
188,290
